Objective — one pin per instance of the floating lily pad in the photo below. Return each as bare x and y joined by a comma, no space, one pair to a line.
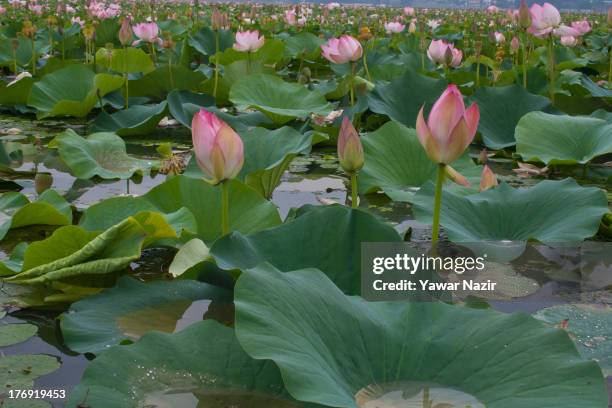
550,212
72,91
16,211
200,365
402,99
136,120
329,238
18,372
100,154
501,108
16,333
281,101
351,351
268,154
554,139
589,327
249,211
396,163
130,309
73,252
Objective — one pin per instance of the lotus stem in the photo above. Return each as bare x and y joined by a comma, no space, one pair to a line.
610,68
365,62
426,400
524,47
551,67
216,63
478,70
352,90
33,55
15,60
354,191
126,79
225,229
435,231
249,63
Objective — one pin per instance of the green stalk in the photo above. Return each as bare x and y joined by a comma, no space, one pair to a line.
610,69
33,56
126,79
478,71
354,191
352,91
365,62
225,229
15,60
248,62
524,47
437,205
551,67
216,63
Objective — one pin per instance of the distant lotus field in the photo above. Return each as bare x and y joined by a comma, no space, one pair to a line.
187,190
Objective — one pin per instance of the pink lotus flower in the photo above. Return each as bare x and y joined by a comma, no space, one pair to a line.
412,27
219,150
565,31
449,129
487,179
499,37
409,11
290,17
492,9
443,53
394,27
583,27
125,32
544,19
342,50
514,45
147,32
248,41
569,41
350,150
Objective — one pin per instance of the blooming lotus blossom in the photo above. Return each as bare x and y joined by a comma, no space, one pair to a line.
443,53
333,5
147,32
409,11
248,41
492,9
487,179
301,22
342,50
499,37
290,17
544,19
433,24
450,127
350,150
565,31
569,41
394,27
2,10
218,150
77,20
583,27
412,27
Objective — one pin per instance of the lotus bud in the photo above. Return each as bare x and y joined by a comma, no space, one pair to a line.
514,45
219,150
524,15
450,127
610,17
487,179
125,32
42,182
217,20
350,150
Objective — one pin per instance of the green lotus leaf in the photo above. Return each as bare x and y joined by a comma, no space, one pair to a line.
130,309
184,104
190,255
17,211
281,101
554,139
18,372
106,31
73,91
329,238
14,263
396,163
304,44
23,53
16,94
588,327
202,365
268,154
402,98
204,40
271,53
100,154
72,252
501,108
157,84
353,353
16,333
134,121
125,60
249,211
550,212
